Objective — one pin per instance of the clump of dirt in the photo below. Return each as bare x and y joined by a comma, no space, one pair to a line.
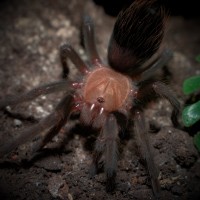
30,36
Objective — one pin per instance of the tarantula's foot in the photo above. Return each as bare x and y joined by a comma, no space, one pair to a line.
92,171
95,168
110,184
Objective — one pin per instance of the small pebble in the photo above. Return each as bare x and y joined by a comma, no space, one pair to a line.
17,122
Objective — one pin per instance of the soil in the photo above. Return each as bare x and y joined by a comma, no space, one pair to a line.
30,35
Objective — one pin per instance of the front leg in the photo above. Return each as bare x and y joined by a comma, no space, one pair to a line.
64,109
106,145
110,132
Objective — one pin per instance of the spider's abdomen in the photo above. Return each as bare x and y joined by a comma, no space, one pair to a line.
107,88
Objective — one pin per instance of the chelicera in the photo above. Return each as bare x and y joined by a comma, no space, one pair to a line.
105,92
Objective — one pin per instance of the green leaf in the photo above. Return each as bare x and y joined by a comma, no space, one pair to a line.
191,85
198,58
196,140
191,114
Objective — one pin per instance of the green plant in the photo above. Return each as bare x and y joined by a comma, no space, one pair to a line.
191,113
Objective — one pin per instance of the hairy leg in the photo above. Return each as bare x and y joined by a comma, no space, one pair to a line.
89,41
98,151
111,130
141,131
47,123
150,90
160,62
67,52
164,91
32,94
107,144
64,112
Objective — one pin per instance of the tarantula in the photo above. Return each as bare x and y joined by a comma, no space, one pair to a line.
105,93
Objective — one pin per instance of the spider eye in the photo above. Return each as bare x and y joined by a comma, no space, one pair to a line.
100,99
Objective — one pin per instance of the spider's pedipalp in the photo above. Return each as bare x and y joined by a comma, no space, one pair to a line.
110,133
97,154
68,52
100,118
34,93
141,131
106,144
89,41
45,124
93,115
86,115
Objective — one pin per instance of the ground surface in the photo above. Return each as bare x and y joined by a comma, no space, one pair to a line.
30,34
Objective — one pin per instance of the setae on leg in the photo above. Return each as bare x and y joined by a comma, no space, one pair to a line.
149,90
160,62
89,41
45,124
34,93
68,52
106,145
140,131
110,132
164,91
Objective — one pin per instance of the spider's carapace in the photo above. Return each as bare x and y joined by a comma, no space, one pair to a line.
107,88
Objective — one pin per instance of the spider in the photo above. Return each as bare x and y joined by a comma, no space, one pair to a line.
103,93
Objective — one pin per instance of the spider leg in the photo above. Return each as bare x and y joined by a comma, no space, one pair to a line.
164,91
89,41
111,130
148,91
47,123
56,128
32,94
99,148
140,131
67,52
107,144
150,69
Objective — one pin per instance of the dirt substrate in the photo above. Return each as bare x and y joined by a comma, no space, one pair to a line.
30,35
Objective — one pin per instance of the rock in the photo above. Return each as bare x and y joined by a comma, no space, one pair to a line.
178,145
